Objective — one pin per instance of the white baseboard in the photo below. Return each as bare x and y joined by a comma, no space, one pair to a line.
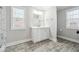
53,39
26,40
17,42
70,39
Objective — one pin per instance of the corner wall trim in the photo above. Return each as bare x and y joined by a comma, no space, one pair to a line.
70,39
17,42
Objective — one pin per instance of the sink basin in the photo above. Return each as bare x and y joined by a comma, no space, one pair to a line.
40,27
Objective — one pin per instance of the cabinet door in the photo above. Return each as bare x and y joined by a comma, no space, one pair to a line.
44,33
39,34
35,34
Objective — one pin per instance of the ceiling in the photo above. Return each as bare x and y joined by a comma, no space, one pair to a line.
63,7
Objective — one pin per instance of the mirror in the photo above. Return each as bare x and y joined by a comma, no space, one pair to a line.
38,17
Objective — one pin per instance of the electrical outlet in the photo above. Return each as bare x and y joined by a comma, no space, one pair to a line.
77,32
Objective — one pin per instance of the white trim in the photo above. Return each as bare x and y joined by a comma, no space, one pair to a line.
17,42
2,49
53,39
70,39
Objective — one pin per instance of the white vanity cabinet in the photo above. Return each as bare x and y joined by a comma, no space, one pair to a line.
40,33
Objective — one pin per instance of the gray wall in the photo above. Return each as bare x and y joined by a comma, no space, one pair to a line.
16,35
62,30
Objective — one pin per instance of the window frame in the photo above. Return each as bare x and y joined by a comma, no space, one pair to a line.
67,20
12,17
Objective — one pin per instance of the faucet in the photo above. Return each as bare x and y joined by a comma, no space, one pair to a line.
39,23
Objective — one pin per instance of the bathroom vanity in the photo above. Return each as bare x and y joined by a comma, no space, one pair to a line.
43,23
40,33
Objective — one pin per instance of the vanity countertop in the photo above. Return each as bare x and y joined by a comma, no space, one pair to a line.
41,27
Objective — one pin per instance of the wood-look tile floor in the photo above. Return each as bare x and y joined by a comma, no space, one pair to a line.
45,46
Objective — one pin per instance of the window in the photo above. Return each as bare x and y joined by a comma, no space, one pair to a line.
72,17
17,18
38,17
